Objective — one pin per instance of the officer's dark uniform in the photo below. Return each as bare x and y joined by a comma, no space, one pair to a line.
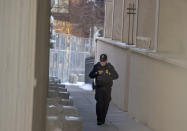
104,76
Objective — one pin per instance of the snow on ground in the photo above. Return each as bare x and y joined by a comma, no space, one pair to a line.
82,85
87,87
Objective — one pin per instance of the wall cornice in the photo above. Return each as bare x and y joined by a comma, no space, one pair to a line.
170,58
115,43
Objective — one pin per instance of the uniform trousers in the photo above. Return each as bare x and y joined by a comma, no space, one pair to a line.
103,98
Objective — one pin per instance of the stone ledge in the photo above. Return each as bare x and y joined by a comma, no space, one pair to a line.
173,59
168,58
109,1
114,42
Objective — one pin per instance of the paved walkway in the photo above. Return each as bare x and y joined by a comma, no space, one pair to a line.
116,120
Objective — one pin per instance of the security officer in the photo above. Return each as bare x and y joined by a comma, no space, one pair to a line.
104,74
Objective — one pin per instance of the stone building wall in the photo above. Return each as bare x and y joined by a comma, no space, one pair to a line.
152,71
24,40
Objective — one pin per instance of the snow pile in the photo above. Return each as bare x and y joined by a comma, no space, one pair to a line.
74,84
87,87
82,85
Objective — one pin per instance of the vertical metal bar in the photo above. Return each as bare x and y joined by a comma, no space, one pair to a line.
137,16
133,24
113,17
122,30
129,23
156,25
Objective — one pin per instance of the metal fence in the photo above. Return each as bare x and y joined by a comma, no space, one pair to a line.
67,58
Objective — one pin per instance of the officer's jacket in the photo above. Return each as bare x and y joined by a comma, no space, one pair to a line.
104,75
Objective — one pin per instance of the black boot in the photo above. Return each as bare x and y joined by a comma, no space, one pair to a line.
100,123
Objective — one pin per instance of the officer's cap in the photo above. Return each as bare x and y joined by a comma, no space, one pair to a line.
103,57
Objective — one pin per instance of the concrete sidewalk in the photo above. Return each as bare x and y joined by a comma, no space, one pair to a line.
116,120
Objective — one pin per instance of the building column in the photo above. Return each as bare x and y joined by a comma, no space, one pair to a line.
24,35
108,19
41,67
129,22
146,35
117,20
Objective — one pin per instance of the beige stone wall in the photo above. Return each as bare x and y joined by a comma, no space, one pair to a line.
159,27
154,83
119,58
172,26
19,67
108,18
117,20
157,93
154,87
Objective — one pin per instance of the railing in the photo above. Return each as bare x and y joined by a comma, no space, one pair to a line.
68,57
